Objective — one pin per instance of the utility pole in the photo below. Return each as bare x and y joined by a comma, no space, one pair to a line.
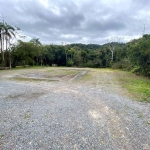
144,27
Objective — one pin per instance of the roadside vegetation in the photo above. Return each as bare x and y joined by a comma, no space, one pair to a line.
137,86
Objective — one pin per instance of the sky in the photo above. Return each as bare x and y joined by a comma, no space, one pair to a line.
78,21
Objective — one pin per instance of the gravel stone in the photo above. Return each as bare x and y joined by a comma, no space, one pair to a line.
70,115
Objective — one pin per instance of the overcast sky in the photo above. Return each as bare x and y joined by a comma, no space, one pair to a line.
78,21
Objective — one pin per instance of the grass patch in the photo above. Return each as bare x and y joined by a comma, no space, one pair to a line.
62,72
138,87
87,77
28,67
32,79
96,75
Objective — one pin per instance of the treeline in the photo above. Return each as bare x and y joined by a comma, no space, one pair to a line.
138,55
134,55
79,55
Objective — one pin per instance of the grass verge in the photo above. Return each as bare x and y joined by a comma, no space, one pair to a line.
138,87
134,86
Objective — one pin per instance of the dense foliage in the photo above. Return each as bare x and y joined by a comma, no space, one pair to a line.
134,55
139,54
80,55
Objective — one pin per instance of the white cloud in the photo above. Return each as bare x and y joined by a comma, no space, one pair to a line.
68,36
45,3
87,21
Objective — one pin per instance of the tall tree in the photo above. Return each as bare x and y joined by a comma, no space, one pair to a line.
38,45
1,40
8,33
36,41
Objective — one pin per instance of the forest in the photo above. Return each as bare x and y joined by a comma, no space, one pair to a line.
132,56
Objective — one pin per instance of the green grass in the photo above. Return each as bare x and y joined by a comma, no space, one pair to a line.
29,67
138,87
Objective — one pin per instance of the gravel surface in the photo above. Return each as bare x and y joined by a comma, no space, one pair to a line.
70,116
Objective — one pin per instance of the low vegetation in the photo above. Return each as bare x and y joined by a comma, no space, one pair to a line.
139,87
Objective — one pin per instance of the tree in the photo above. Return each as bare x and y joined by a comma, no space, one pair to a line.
6,33
1,42
9,33
38,45
36,41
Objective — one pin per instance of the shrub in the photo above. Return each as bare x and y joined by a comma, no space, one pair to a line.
70,63
123,64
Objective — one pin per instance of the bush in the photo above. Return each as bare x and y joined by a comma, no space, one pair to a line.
88,64
117,65
70,63
123,64
136,69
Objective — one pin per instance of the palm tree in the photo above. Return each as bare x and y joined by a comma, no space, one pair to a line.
36,41
2,41
38,45
8,33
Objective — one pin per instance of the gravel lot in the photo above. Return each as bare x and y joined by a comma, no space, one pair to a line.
70,115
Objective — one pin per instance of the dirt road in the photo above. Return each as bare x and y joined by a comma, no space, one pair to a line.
87,109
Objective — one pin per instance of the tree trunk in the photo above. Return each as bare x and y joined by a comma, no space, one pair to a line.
112,55
37,61
66,57
1,48
9,59
33,61
3,55
41,61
